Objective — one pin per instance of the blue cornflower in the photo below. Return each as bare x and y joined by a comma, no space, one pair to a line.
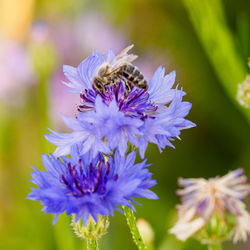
112,118
91,127
87,186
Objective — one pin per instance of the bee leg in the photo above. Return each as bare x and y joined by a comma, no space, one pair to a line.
109,81
115,81
106,85
127,88
98,85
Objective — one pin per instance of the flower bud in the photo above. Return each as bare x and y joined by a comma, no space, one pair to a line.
146,231
93,230
217,229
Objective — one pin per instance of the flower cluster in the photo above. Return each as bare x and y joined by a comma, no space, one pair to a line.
213,209
111,119
101,174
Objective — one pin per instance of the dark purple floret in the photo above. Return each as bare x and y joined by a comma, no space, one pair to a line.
136,104
87,100
92,181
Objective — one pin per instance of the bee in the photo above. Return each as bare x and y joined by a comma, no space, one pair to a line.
120,68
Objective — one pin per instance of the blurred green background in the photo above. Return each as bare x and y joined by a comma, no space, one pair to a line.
206,42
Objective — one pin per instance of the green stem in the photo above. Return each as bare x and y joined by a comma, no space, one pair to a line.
215,246
209,21
131,220
92,245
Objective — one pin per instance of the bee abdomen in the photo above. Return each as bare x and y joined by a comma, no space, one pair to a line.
133,75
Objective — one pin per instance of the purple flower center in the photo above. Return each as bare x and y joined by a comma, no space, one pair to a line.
136,104
93,180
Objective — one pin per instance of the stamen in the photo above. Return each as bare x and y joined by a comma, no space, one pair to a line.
115,177
64,180
108,168
74,175
91,168
80,166
134,104
69,167
101,165
97,180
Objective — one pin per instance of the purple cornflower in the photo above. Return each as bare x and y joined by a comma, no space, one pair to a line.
112,119
84,186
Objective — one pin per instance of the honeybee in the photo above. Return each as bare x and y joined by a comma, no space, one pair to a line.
120,68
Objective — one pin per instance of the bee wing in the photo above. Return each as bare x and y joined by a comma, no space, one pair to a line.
123,57
114,70
128,59
122,53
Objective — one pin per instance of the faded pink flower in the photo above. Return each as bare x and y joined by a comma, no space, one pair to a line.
202,199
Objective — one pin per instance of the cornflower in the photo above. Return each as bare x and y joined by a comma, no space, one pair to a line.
115,118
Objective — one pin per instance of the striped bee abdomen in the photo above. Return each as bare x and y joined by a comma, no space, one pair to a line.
133,75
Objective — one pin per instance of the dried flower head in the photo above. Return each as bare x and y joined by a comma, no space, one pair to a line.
243,94
213,209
